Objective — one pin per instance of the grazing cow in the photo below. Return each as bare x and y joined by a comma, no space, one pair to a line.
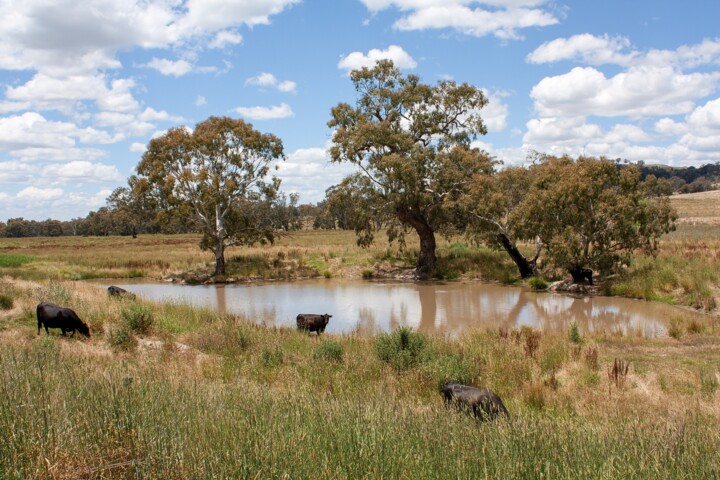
65,319
114,291
482,402
313,322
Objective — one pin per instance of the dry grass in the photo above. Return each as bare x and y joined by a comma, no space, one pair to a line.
702,208
206,394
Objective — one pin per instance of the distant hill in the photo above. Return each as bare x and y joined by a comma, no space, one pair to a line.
685,179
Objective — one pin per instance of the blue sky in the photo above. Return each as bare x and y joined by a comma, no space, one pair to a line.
85,85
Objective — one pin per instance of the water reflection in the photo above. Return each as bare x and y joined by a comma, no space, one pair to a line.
449,309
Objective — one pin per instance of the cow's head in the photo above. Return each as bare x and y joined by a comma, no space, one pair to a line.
326,318
84,329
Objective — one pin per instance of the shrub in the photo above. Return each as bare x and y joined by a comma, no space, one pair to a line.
122,339
675,329
574,333
6,301
138,317
329,350
271,357
695,326
537,283
55,292
450,368
368,274
402,349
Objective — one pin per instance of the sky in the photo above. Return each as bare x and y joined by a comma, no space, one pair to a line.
86,85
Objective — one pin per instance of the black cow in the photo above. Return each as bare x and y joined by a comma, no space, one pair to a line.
65,319
482,402
313,322
114,291
581,275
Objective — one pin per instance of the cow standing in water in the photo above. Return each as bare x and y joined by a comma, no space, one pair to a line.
50,315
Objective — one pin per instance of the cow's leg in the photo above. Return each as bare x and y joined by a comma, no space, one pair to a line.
72,335
62,329
39,326
47,332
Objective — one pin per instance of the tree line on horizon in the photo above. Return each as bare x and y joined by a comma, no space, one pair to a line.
417,172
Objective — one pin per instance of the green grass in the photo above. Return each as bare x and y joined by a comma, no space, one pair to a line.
13,260
79,419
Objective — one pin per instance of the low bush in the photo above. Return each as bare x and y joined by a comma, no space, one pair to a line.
329,350
402,349
138,317
121,338
537,283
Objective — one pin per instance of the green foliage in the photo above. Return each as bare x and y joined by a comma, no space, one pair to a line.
412,142
329,350
402,349
13,260
122,338
450,368
6,301
368,274
591,212
537,283
218,170
138,317
55,292
271,356
574,333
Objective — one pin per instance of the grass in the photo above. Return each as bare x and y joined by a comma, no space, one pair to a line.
201,394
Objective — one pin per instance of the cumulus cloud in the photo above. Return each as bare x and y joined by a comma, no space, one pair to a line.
357,60
176,68
224,38
502,18
266,113
587,48
640,91
266,79
309,172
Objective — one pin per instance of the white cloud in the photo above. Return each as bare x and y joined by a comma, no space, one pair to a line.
266,113
287,86
39,194
176,68
309,172
263,80
137,147
588,48
478,18
595,50
224,38
640,91
495,113
357,60
32,130
266,79
84,171
200,101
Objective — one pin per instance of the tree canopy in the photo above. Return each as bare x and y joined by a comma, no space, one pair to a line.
593,212
411,142
218,170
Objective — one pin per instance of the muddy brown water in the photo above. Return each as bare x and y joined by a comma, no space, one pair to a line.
444,308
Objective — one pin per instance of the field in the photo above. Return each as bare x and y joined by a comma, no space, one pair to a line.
701,208
168,391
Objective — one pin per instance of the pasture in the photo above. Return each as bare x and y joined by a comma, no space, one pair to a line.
171,391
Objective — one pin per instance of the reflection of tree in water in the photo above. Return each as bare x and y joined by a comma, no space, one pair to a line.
366,319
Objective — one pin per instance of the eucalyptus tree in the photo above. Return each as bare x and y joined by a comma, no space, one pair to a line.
592,212
411,143
218,170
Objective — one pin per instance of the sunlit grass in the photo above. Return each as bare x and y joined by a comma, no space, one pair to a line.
206,394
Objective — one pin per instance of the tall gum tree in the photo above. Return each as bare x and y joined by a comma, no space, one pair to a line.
411,142
218,170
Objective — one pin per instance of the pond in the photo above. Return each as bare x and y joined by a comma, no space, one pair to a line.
444,308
